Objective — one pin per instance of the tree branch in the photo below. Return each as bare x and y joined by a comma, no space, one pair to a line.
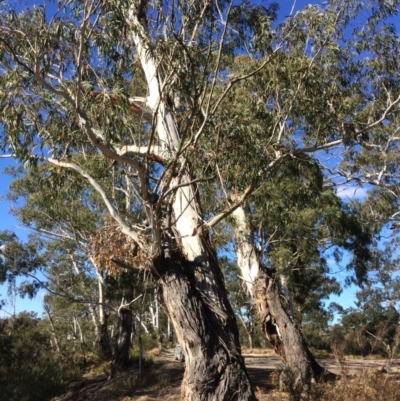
112,210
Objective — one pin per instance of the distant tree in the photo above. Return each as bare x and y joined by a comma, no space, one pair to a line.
240,299
373,326
28,366
77,245
20,260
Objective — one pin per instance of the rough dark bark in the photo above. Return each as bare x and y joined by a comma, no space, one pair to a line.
104,340
286,338
121,357
206,329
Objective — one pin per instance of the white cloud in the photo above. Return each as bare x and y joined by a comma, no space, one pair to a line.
351,193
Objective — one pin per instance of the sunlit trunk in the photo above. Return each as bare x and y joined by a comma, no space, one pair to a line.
195,297
78,334
104,339
100,320
189,275
248,327
53,331
277,325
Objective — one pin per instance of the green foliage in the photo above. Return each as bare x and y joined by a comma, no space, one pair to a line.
301,223
30,369
20,260
315,328
373,325
249,332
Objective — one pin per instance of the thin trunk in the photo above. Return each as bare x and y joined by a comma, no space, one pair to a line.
140,340
79,336
53,331
95,322
250,339
141,323
99,320
169,334
250,333
121,356
14,301
248,327
103,338
278,327
153,315
157,310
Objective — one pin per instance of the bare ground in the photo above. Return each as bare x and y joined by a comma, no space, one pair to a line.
162,380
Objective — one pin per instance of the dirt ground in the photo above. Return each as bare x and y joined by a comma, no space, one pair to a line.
161,381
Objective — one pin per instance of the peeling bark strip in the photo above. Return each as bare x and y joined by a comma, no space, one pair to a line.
215,369
284,334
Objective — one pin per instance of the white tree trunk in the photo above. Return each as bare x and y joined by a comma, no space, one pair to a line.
157,310
101,300
141,323
247,259
279,328
191,281
53,331
153,316
187,212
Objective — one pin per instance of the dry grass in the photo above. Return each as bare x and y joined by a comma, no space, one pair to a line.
161,381
374,386
371,386
258,351
152,353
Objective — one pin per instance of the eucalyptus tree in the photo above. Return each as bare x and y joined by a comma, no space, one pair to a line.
145,88
282,247
315,92
372,162
64,226
78,78
20,260
372,326
78,242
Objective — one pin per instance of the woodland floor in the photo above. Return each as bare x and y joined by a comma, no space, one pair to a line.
161,380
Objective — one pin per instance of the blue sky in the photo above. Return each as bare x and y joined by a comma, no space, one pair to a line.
9,222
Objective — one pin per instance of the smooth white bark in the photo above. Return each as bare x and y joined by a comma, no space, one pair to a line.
187,217
247,259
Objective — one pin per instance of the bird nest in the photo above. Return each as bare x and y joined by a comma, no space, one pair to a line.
112,250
